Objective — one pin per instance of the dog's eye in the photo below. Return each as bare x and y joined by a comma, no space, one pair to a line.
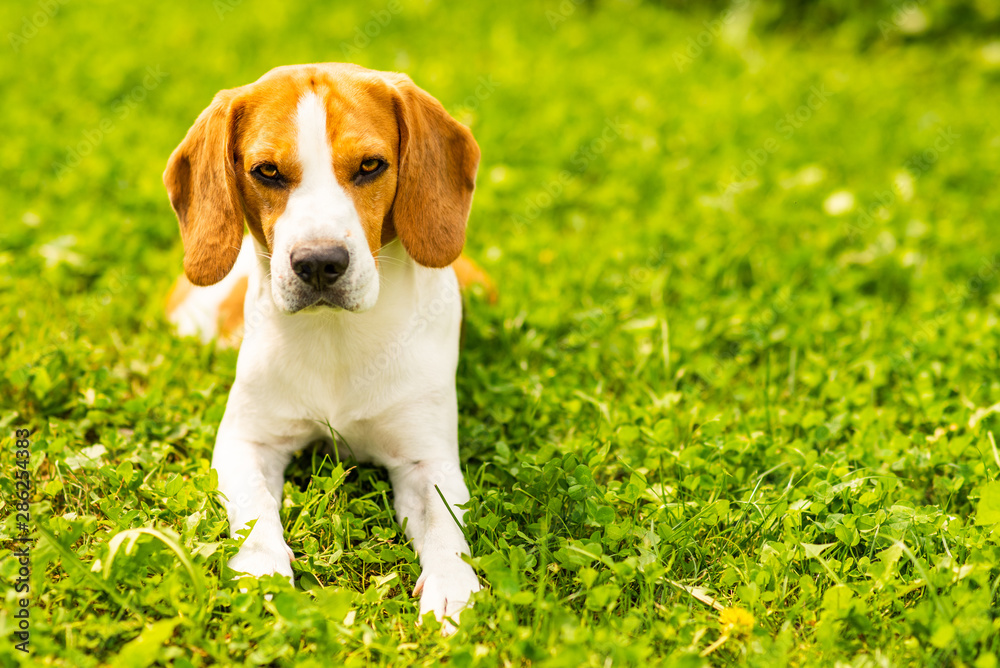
370,166
267,171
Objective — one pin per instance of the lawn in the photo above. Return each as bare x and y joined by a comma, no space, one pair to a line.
736,405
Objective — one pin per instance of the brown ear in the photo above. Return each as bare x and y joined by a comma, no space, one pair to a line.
202,187
437,173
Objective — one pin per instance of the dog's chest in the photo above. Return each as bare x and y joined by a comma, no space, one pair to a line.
348,369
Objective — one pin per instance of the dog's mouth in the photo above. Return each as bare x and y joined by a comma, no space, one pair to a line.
348,294
323,302
318,305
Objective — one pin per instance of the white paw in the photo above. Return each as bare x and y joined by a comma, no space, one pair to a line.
444,589
258,558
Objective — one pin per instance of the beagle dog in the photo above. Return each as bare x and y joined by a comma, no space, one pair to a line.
356,187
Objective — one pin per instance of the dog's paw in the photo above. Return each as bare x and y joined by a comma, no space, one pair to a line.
258,558
444,589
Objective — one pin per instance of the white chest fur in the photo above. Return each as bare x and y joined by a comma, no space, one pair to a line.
300,374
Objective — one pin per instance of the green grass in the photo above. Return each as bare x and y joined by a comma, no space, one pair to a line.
698,384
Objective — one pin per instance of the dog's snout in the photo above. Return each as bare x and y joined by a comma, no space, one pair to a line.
320,266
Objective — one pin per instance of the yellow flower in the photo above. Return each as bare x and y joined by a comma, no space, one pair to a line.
736,622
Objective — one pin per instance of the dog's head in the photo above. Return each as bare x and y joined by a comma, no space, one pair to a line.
325,163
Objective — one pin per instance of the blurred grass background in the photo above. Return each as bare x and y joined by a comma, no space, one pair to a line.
748,256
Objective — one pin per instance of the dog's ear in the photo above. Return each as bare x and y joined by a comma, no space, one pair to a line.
201,182
438,159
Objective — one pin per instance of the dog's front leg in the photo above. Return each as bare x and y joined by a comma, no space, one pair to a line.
251,476
445,581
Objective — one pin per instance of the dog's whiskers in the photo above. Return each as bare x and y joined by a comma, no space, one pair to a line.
393,261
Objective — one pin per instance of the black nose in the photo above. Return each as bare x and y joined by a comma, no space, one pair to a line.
320,266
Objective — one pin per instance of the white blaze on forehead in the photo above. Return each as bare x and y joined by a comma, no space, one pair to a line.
319,194
319,212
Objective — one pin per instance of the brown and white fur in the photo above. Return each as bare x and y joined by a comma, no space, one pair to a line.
355,186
